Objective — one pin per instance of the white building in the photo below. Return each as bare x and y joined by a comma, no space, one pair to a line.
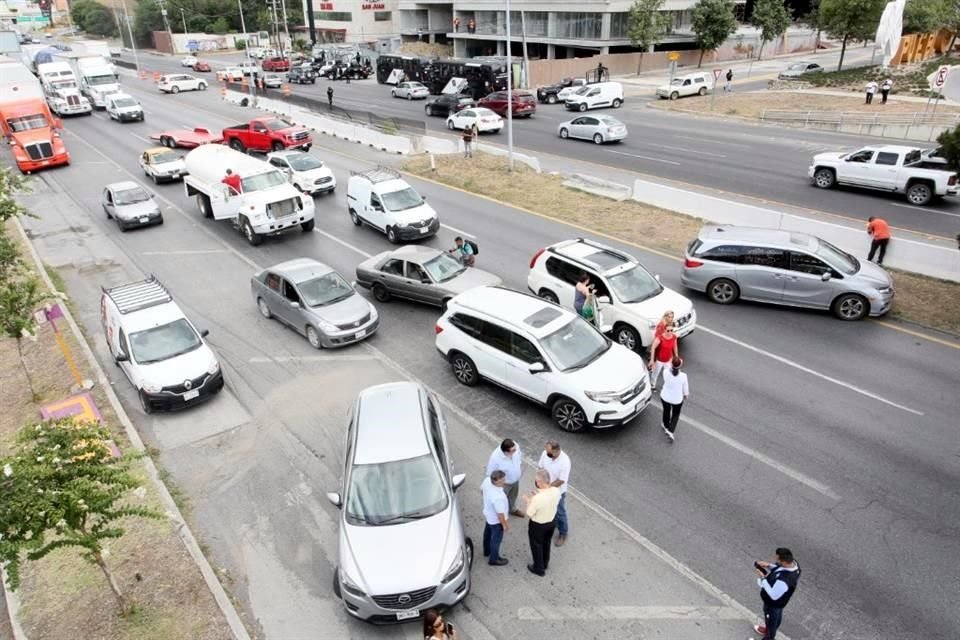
353,21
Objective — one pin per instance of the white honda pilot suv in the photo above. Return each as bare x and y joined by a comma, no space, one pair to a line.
545,353
632,300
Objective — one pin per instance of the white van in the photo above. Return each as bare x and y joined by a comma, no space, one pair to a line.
596,95
158,349
698,83
383,200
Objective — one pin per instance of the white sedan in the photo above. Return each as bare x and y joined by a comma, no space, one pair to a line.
410,91
188,61
485,120
177,82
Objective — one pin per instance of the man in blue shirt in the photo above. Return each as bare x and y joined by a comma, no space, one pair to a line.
463,252
778,581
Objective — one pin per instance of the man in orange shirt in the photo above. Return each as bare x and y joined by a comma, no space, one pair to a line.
879,230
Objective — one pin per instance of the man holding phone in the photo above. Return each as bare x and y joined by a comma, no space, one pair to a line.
777,581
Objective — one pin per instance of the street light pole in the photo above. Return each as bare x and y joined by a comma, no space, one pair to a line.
246,49
133,43
509,96
184,18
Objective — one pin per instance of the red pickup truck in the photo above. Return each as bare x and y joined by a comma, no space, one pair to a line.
276,64
267,134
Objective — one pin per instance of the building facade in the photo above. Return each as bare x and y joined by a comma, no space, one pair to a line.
353,21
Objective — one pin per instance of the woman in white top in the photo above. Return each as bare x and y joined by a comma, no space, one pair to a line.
675,391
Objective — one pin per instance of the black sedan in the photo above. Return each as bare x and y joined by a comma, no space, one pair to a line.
449,103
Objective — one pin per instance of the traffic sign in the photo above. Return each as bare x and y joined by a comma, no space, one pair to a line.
716,74
673,56
941,78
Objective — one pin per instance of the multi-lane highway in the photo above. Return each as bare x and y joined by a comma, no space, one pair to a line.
835,439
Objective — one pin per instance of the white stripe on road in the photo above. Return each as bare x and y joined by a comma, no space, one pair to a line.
344,243
141,138
800,367
459,232
635,155
196,252
629,613
685,150
925,209
708,141
300,359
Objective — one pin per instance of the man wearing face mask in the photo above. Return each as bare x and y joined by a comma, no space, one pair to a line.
557,464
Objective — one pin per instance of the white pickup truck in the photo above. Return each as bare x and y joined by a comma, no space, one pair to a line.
266,204
897,169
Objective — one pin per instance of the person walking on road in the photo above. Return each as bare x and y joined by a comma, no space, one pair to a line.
330,96
541,507
728,87
778,582
508,458
662,352
885,90
879,230
557,464
871,90
495,508
468,135
675,391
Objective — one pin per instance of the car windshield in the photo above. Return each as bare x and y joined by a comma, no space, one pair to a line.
163,342
582,90
276,125
677,82
162,157
395,492
131,196
25,123
635,285
443,268
261,181
575,345
324,290
304,162
401,200
98,80
837,258
126,102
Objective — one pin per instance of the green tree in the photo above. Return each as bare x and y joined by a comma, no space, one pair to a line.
99,21
713,22
301,45
949,142
951,20
647,24
20,296
64,487
10,183
851,21
772,18
921,16
219,26
79,10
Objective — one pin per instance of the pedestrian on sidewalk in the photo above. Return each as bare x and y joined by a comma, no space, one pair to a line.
728,87
436,628
871,90
885,90
778,581
456,25
675,391
879,231
468,135
541,507
662,352
495,510
330,96
508,458
557,464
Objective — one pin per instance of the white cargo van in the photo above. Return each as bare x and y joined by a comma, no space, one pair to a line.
157,347
383,200
266,204
595,96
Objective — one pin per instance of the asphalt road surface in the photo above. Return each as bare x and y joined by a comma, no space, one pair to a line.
835,439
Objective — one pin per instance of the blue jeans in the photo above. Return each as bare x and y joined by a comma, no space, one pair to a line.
772,617
561,519
492,537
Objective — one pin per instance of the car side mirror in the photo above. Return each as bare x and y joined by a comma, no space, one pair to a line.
536,367
121,357
335,499
603,299
424,198
205,333
458,480
294,304
826,276
657,277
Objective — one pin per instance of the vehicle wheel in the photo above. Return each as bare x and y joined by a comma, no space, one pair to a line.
549,296
723,291
167,141
674,95
355,218
564,133
583,106
597,138
703,91
825,178
392,235
450,125
429,110
120,226
203,203
380,293
336,583
409,97
393,94
627,336
277,145
919,194
202,86
850,306
109,217
552,99
308,225
155,181
469,542
464,370
264,309
313,338
175,89
252,236
568,415
617,102
236,145
144,403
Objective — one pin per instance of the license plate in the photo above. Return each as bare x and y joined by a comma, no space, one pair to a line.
144,220
424,229
361,333
190,395
408,615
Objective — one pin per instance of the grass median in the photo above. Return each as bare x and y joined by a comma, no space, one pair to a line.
923,300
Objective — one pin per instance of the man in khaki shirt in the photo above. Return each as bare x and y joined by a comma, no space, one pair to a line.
541,507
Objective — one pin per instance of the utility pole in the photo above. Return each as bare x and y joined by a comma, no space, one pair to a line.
116,17
286,25
246,49
184,18
509,97
523,39
166,23
133,43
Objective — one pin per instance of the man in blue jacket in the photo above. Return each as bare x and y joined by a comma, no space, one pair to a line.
778,581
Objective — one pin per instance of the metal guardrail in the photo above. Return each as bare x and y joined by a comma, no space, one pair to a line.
855,118
123,63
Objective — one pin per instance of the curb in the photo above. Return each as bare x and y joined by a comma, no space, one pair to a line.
237,628
13,605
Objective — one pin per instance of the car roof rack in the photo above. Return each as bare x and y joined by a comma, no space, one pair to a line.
378,174
136,296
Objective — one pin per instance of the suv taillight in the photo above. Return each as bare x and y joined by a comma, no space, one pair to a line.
952,180
437,329
533,260
690,263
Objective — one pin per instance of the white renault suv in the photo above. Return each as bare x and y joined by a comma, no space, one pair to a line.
632,300
545,353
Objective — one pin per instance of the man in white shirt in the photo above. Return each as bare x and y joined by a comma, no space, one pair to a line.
557,464
508,458
495,516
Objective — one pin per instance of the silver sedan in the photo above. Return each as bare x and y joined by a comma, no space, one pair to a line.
421,274
315,301
410,91
600,129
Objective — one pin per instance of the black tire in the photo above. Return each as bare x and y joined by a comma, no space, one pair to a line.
450,125
202,86
380,293
355,218
469,544
144,403
175,89
825,178
549,296
564,133
236,145
167,141
920,194
617,102
627,336
336,583
723,291
254,238
464,370
552,99
264,309
597,138
393,94
850,307
583,106
703,91
409,96
568,415
308,225
203,203
392,235
277,146
429,110
674,95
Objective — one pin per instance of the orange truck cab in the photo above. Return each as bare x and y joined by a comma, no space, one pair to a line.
32,132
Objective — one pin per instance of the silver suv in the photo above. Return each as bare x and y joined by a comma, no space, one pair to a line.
783,267
402,547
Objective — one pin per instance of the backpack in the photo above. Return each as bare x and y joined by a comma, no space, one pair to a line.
473,245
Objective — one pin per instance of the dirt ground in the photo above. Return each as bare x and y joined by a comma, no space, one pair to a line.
63,596
923,300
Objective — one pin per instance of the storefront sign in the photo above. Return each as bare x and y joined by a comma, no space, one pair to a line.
372,5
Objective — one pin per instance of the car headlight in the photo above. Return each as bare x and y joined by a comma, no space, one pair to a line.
349,586
373,312
652,324
156,212
455,567
327,326
152,388
601,396
213,367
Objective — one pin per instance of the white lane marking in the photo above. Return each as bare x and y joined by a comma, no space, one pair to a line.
684,149
140,137
708,141
628,613
460,232
185,252
636,155
926,209
344,243
279,359
800,367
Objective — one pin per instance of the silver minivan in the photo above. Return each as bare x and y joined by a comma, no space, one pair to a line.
402,545
729,263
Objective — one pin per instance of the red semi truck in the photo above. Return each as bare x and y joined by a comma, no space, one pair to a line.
32,132
267,134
